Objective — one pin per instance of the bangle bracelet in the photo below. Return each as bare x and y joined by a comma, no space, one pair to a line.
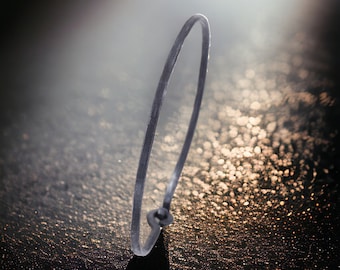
161,217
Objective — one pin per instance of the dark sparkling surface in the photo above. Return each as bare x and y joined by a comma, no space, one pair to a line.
260,189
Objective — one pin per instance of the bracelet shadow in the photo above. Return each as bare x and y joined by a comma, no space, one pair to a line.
158,258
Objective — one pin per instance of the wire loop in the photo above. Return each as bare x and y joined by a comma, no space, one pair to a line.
161,217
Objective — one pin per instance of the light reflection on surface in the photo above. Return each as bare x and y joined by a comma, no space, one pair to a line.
261,165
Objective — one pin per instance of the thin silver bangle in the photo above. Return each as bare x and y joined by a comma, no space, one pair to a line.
161,217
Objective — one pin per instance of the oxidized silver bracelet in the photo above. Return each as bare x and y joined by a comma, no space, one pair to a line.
161,217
